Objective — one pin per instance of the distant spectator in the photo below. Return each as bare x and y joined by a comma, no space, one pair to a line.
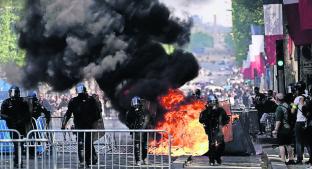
259,105
269,110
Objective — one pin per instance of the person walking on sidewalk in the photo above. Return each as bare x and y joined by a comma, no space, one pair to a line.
307,111
300,121
283,129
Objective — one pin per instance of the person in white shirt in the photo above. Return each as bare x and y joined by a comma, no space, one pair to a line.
300,121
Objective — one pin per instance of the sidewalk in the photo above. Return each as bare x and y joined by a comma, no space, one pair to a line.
272,154
228,162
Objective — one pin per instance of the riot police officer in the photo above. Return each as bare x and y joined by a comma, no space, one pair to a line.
86,112
214,118
16,113
138,118
36,109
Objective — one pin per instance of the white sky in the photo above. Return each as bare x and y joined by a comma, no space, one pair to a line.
203,8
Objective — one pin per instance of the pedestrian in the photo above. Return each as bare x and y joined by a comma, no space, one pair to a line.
283,130
138,118
245,99
86,113
300,120
307,112
214,118
258,101
16,113
269,109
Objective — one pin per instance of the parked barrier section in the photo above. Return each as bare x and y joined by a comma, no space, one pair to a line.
95,149
8,140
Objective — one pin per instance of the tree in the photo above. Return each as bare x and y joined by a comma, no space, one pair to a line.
200,41
9,15
245,13
229,42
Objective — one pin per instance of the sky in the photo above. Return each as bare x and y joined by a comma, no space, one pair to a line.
203,8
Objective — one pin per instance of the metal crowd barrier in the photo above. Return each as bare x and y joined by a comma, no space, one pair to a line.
107,149
249,119
8,138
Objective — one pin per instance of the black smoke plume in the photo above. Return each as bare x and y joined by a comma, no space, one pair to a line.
117,42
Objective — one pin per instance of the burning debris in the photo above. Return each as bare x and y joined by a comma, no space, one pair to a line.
117,42
181,121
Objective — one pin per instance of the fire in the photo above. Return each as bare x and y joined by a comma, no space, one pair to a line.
234,117
172,99
181,121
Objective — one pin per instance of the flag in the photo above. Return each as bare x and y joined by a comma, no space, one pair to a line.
273,17
270,48
256,29
296,32
248,73
273,27
257,50
246,70
305,11
290,46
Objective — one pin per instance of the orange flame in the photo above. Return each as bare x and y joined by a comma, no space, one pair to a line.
181,121
173,98
234,117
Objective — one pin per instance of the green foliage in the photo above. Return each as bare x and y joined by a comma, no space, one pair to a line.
245,13
12,3
9,15
228,39
200,40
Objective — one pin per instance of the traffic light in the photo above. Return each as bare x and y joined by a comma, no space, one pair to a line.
280,62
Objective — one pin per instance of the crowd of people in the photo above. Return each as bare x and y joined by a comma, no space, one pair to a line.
293,120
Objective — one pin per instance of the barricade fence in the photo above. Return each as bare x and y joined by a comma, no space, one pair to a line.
10,148
54,149
249,119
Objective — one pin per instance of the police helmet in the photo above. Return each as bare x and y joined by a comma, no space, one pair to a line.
81,88
136,102
14,92
212,99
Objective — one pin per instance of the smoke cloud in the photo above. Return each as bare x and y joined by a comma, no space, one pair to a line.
118,42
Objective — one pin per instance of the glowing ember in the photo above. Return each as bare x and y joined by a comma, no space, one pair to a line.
181,121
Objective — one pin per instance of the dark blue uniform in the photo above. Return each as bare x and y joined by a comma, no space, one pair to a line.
86,112
213,121
139,119
16,113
